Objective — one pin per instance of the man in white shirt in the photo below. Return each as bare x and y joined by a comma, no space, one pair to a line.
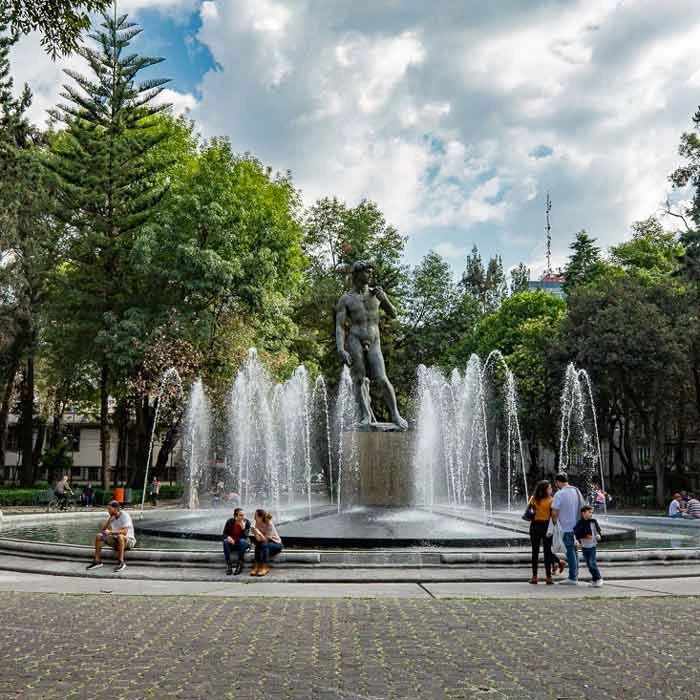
118,532
676,508
566,510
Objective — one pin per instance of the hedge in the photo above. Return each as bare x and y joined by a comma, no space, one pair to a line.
29,497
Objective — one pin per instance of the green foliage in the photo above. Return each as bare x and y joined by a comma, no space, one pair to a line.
58,459
486,285
18,497
651,249
585,262
59,21
519,279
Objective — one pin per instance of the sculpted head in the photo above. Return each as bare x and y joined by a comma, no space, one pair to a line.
361,272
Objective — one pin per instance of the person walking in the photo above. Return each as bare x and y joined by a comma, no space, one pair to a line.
588,533
542,502
268,543
154,491
236,539
566,508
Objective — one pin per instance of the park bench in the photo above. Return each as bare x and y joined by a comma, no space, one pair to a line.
43,498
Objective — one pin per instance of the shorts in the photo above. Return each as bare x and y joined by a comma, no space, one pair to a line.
113,541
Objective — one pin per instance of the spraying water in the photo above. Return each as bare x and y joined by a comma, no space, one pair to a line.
468,436
579,441
197,443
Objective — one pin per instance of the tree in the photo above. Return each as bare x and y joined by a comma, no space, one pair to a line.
651,249
519,279
108,189
525,329
585,262
627,330
488,286
29,245
59,21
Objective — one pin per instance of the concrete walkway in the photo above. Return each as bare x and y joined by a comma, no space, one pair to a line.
42,583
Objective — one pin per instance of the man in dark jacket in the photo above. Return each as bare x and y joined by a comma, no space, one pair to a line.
236,539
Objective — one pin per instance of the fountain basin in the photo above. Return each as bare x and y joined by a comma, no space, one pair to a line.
364,527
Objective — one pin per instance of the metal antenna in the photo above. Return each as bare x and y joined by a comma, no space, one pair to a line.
548,229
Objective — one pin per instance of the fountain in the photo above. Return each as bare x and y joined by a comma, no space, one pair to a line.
197,443
468,437
579,442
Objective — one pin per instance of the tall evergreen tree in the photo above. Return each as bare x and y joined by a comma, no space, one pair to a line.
28,247
109,188
585,262
519,279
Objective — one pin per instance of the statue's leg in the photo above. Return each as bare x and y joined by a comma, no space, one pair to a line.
378,372
358,373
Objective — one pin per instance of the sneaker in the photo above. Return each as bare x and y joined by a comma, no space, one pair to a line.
229,570
568,582
120,567
598,583
94,565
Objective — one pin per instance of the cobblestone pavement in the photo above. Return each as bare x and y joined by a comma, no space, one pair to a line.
91,646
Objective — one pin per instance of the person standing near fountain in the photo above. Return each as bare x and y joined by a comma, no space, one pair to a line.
542,502
360,348
566,508
236,539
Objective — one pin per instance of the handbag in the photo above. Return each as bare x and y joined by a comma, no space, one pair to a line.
529,513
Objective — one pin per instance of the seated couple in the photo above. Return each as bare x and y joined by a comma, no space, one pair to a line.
237,535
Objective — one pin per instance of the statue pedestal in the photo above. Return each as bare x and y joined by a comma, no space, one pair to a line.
385,461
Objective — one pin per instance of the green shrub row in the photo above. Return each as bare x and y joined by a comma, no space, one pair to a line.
28,497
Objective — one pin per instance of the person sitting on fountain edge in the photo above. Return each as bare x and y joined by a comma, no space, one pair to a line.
268,543
236,539
118,532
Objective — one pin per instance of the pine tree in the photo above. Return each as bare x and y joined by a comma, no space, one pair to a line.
108,188
28,252
585,262
519,279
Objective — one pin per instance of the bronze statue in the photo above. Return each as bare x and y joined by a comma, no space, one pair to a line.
361,348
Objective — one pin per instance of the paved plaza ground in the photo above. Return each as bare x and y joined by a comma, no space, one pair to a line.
218,645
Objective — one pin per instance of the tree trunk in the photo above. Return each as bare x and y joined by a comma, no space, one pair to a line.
5,406
38,447
144,424
104,424
167,446
27,425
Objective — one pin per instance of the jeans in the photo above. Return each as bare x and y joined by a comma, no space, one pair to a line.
240,547
589,554
538,533
571,558
265,550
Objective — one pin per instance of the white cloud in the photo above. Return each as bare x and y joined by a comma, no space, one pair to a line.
449,250
435,113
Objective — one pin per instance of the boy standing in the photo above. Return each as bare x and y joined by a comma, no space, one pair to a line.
588,533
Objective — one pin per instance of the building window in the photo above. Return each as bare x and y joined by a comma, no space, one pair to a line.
93,473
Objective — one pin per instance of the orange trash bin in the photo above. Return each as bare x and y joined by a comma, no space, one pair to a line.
119,495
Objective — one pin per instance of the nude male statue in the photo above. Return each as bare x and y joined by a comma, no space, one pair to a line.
360,348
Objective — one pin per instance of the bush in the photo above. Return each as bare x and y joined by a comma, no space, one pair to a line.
170,491
18,497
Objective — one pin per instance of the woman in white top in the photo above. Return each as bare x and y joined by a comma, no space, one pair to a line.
268,543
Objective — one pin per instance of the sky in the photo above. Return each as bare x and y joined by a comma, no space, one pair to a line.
455,117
